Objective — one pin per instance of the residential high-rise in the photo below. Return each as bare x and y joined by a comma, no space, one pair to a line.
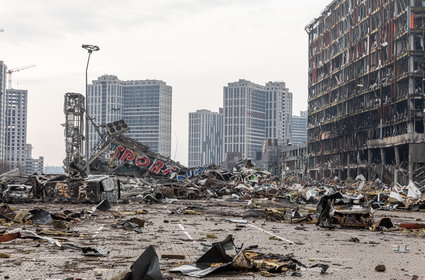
299,128
145,105
244,119
366,90
205,138
252,114
147,111
33,165
3,71
278,112
105,104
16,128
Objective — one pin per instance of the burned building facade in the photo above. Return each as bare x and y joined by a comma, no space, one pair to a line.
294,159
366,89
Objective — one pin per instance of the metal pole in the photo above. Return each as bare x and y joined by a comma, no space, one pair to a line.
90,49
87,117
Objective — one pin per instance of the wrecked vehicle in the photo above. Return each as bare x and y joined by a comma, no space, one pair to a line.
61,188
336,209
16,194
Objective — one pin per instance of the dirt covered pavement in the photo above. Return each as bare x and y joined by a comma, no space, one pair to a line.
177,229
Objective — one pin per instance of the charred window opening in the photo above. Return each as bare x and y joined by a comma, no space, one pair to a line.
419,126
376,156
419,43
389,155
403,152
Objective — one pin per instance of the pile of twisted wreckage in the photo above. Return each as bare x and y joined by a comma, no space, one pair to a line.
327,203
349,203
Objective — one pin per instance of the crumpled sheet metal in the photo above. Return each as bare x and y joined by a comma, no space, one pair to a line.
41,217
21,233
216,259
228,244
88,251
213,260
30,234
146,267
6,212
324,208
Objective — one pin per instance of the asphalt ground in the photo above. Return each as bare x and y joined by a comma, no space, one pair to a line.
181,234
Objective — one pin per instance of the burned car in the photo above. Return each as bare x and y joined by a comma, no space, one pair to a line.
338,210
16,194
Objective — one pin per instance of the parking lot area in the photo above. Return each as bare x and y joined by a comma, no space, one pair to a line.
173,230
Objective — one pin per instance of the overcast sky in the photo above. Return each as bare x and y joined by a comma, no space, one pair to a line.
196,46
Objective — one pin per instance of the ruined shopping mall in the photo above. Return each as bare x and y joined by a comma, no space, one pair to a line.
366,90
348,204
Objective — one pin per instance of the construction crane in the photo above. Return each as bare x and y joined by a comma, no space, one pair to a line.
10,71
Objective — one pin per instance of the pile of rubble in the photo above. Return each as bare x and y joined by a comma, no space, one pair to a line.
328,203
245,182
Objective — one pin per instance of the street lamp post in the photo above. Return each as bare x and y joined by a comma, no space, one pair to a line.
90,49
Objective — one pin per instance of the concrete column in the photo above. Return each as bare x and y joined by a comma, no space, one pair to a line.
369,156
410,171
397,155
369,163
395,177
348,166
382,163
397,164
382,156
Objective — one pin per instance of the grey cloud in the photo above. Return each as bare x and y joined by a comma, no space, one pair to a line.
49,20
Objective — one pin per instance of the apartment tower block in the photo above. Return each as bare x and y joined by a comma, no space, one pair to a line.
205,138
254,113
145,105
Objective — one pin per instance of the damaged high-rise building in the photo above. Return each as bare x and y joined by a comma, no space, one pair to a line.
366,90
